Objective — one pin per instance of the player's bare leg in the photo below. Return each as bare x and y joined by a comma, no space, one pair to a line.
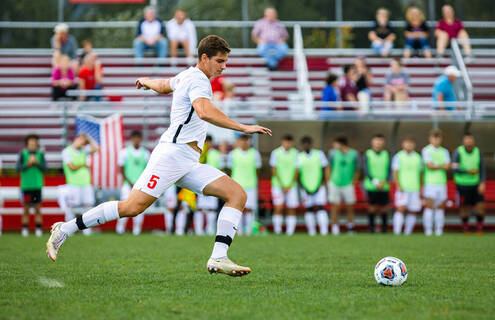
135,204
228,222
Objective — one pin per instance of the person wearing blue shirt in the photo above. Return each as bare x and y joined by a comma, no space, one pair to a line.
443,89
331,91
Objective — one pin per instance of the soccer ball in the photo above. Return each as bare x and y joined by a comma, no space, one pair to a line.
390,271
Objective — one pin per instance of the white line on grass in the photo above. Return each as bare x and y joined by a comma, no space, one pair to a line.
50,283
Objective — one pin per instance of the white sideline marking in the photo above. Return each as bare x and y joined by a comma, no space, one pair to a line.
50,283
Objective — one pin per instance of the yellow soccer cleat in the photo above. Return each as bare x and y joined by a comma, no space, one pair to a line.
226,266
56,240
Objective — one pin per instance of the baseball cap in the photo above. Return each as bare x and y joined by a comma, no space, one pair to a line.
452,71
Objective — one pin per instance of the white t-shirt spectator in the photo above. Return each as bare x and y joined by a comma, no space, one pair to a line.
150,30
181,32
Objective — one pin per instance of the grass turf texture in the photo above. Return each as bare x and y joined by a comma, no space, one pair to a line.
126,277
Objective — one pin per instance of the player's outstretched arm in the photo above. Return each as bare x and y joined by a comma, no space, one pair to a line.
207,112
157,85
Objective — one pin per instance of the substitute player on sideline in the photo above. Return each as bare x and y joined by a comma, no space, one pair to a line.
436,160
313,178
176,159
132,161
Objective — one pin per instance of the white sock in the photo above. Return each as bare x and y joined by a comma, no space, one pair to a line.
169,220
121,224
410,222
439,221
322,217
398,222
198,223
335,229
69,214
227,225
428,221
248,223
309,218
211,219
137,224
278,220
105,212
180,222
290,225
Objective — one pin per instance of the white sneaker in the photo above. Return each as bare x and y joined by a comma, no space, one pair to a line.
56,240
38,232
226,266
25,232
335,229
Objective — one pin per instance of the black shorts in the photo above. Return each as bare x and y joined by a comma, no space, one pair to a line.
379,198
31,197
469,195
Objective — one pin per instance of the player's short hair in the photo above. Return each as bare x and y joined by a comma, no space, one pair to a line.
136,133
209,138
342,140
306,140
212,45
331,77
437,133
244,137
287,137
31,136
378,135
409,138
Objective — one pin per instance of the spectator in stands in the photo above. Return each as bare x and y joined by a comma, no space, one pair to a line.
331,90
416,33
443,89
407,167
363,83
181,32
64,44
63,78
31,165
285,166
347,86
132,160
150,35
220,87
470,177
436,161
382,35
87,47
377,177
449,28
90,77
396,83
270,36
344,172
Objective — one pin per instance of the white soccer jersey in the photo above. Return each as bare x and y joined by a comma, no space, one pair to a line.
185,125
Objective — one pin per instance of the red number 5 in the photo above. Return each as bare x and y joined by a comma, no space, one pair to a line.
153,181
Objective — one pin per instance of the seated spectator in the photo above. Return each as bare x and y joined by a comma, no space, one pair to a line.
150,35
270,35
396,83
416,33
331,90
62,78
448,28
181,33
87,47
443,89
347,86
363,83
64,44
221,87
90,77
382,35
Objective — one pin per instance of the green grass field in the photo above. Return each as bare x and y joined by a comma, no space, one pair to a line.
164,277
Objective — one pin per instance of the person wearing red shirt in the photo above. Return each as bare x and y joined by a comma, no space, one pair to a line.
90,77
448,28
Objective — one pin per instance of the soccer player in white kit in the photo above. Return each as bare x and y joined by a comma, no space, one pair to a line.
176,159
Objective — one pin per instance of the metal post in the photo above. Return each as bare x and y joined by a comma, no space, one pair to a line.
339,17
61,10
245,30
431,10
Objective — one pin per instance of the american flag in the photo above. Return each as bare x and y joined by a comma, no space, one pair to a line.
109,135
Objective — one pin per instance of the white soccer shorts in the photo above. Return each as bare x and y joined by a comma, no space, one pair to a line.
409,199
252,199
75,196
175,163
207,203
436,192
338,194
319,198
290,198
